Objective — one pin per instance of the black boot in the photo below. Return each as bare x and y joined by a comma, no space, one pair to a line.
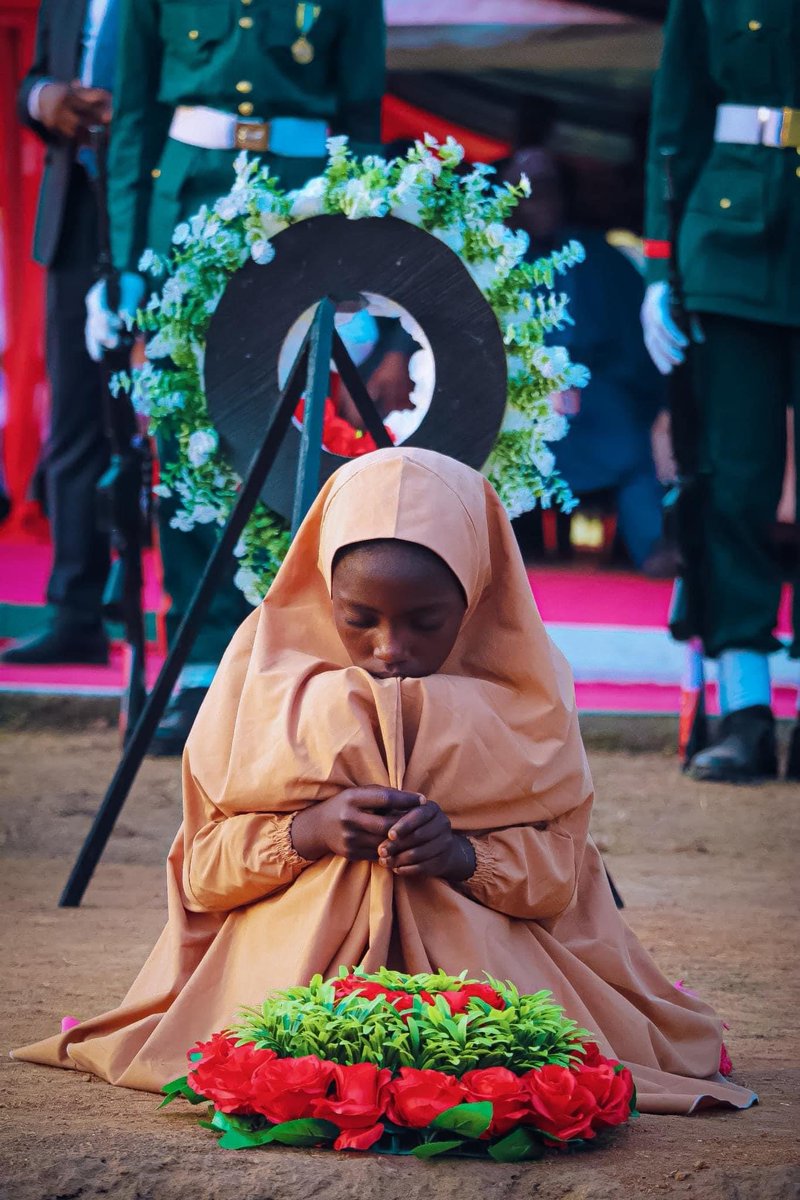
793,760
58,644
744,751
173,728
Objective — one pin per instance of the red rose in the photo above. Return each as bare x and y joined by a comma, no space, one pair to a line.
224,1075
358,1096
593,1058
559,1105
612,1091
725,1064
482,991
352,983
358,1139
287,1088
416,1097
506,1092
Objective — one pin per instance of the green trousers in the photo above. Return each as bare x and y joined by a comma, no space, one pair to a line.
746,376
190,177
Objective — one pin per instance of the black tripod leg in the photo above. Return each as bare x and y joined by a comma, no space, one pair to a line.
620,903
361,397
136,748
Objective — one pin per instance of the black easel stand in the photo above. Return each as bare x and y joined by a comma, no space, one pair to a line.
311,367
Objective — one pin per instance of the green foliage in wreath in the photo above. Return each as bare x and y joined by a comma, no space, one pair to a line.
427,188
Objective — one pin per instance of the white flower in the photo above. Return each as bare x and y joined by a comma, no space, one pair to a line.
180,235
552,427
262,252
174,290
358,201
514,365
202,444
204,514
514,421
518,501
233,205
246,581
272,222
452,152
551,361
406,202
309,201
162,490
524,184
159,346
543,459
338,146
577,375
240,549
182,521
152,264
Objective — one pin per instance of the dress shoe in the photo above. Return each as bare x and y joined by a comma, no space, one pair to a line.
173,728
793,760
744,751
60,644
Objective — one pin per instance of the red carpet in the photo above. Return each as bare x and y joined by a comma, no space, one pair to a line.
610,625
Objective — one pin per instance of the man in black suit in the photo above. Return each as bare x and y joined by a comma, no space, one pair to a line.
66,90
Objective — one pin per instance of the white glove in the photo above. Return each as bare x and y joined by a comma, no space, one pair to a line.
102,323
664,341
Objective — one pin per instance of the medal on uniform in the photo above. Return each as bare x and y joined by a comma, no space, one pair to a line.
305,16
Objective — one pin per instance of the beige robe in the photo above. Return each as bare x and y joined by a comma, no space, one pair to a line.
492,738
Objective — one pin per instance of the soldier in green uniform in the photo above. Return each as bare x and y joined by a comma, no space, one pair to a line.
727,104
197,82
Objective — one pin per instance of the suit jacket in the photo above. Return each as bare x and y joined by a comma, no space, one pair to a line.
56,56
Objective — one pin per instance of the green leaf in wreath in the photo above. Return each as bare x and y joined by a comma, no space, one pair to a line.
432,1149
179,1089
240,1139
470,1120
518,1145
305,1132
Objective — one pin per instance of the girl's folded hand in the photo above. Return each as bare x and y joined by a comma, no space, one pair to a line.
351,824
422,842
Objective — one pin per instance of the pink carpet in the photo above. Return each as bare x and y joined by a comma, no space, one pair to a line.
573,602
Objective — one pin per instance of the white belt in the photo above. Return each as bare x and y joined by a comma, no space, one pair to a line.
292,137
755,125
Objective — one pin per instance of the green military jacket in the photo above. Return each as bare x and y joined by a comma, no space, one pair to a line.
236,56
738,245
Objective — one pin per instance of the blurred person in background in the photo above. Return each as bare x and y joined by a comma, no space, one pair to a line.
66,90
608,445
726,108
196,85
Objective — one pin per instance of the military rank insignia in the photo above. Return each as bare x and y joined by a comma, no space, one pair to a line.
305,18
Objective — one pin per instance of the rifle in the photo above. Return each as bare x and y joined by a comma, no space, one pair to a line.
684,504
124,492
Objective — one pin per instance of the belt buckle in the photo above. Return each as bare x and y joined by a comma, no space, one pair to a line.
251,135
790,128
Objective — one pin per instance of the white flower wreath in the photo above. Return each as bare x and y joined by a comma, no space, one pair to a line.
425,188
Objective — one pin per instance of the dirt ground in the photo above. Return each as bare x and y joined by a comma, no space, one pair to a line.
710,880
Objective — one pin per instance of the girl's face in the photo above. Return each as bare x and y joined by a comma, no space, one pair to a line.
397,608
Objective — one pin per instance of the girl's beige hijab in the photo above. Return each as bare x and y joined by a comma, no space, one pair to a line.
492,738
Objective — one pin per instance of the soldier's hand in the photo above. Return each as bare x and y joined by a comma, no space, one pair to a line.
664,341
103,323
69,110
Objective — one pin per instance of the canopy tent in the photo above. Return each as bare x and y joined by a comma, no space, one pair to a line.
549,35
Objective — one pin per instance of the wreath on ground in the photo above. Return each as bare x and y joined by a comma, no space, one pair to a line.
407,1064
428,188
